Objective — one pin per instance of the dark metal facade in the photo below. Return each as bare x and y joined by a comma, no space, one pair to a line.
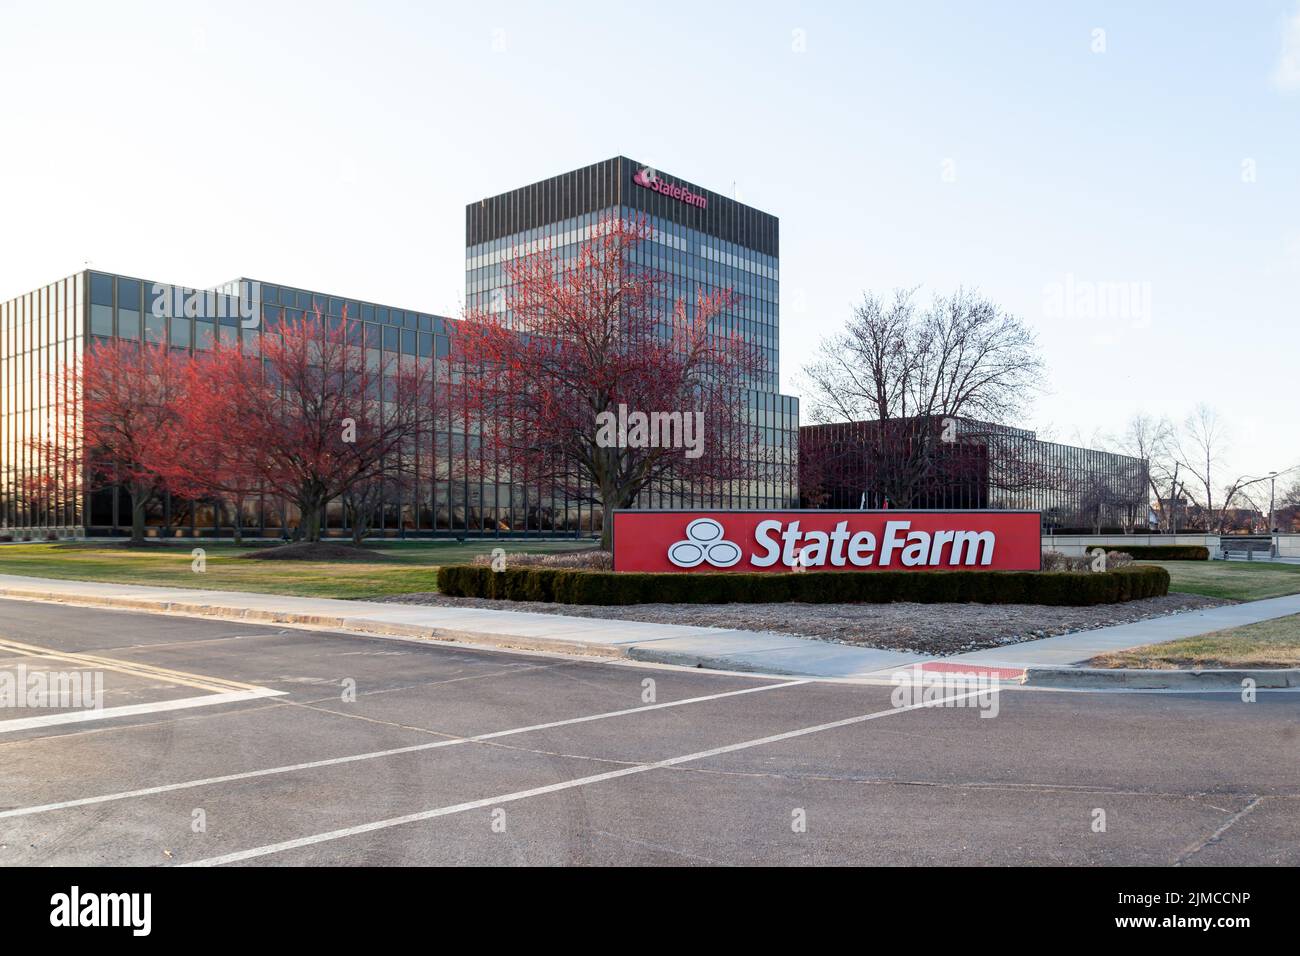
609,184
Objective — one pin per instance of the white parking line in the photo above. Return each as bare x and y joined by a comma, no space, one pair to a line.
217,685
134,710
374,755
326,837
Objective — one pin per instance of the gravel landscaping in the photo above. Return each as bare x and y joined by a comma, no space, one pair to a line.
936,629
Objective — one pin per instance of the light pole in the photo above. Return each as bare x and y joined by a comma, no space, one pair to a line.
1271,478
1272,541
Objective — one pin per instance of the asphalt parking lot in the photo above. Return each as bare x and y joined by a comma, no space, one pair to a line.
234,744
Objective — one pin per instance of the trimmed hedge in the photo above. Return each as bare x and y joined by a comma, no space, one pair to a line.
1158,552
568,586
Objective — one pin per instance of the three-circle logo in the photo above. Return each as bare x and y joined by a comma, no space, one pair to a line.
704,543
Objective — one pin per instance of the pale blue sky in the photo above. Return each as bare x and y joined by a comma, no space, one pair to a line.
335,146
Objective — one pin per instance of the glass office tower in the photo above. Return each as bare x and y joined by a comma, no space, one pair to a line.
702,241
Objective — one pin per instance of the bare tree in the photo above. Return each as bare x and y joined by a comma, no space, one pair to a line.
1259,493
915,373
1286,510
1200,447
1151,440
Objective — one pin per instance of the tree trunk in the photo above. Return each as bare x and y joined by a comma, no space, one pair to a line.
607,518
610,501
138,501
309,522
359,523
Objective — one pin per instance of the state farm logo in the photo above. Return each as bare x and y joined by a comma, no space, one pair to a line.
790,546
704,542
647,178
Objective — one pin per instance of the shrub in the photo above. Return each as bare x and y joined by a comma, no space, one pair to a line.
1165,552
575,586
1058,561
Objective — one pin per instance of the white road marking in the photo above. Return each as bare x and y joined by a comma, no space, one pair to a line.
330,835
133,710
374,755
217,685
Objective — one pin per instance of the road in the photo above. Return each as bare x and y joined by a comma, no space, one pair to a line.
257,745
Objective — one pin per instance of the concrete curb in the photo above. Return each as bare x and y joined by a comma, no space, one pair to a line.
351,625
649,654
1154,679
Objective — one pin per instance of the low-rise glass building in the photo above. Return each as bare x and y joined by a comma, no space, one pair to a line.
44,330
958,463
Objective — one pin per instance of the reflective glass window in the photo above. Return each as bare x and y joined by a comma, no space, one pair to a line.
128,294
101,319
101,289
128,324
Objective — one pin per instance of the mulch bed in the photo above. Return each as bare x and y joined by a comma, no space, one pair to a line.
936,629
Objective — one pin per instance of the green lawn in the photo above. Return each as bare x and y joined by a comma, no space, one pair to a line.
411,566
1273,643
1234,580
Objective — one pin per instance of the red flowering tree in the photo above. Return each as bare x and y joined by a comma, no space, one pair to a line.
127,429
307,420
592,381
209,468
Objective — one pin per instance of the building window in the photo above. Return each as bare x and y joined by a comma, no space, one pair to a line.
101,289
101,319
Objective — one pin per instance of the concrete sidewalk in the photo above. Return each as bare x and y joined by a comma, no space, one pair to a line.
1069,649
739,650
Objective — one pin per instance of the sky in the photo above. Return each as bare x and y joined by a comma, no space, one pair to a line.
1124,177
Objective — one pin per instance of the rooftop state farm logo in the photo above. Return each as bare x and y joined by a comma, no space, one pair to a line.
656,541
649,179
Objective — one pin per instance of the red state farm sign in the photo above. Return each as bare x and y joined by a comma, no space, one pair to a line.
826,540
